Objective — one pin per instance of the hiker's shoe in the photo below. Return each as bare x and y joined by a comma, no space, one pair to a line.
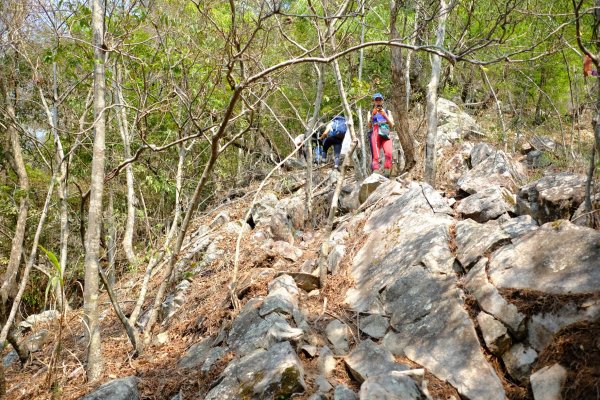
387,172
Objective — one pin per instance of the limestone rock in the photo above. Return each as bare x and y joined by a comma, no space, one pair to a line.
343,392
547,383
119,389
552,197
304,281
557,258
453,123
263,209
280,227
388,250
494,333
369,185
498,169
337,334
273,373
45,316
488,204
542,327
374,325
282,249
473,240
515,227
369,360
250,331
519,360
326,361
480,152
490,300
390,387
335,257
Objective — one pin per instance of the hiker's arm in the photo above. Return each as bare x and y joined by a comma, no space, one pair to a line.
327,130
388,118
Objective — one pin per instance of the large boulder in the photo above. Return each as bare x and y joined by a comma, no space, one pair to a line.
498,169
557,258
488,204
119,389
276,373
473,240
453,123
250,331
552,197
263,209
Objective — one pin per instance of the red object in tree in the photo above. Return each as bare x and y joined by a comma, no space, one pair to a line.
587,67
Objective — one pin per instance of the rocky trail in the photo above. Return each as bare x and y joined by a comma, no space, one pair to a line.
487,291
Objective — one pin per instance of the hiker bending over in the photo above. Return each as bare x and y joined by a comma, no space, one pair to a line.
380,123
334,136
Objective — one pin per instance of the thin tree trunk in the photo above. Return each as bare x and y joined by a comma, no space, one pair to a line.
131,333
112,237
92,240
397,100
349,121
410,55
432,119
61,162
310,130
9,283
126,137
361,125
498,109
32,258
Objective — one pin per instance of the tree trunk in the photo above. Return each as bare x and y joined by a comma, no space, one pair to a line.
92,240
349,121
126,137
9,283
361,125
397,96
538,119
310,130
432,119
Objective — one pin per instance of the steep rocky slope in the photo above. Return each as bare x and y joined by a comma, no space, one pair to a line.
488,293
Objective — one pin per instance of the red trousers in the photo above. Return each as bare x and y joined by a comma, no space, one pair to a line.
378,142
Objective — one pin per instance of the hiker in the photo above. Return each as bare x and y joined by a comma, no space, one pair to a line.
334,136
587,67
380,123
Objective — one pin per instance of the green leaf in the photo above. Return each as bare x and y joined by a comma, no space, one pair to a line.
52,257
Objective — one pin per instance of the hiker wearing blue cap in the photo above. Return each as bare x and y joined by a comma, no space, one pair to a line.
380,122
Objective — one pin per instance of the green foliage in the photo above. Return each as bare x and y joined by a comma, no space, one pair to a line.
56,278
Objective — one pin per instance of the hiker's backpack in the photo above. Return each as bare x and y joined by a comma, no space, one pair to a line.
338,127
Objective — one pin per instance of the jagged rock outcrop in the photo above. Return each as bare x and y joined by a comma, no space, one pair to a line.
453,123
118,389
557,258
497,169
265,374
552,197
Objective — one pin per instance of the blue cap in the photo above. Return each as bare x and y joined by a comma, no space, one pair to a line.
378,95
